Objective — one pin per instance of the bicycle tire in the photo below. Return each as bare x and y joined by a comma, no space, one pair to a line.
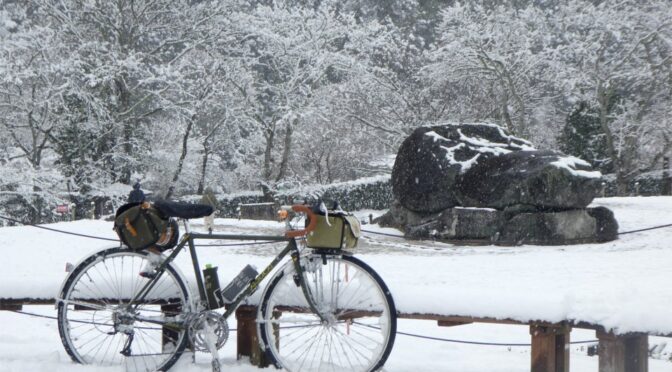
94,300
359,336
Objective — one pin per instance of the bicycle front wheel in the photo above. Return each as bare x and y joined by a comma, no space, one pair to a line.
99,325
359,325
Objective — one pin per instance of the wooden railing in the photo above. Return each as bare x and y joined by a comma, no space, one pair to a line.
549,341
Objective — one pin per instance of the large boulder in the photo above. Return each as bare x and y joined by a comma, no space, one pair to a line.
543,179
476,182
431,158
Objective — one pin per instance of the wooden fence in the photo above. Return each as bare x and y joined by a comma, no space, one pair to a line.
549,341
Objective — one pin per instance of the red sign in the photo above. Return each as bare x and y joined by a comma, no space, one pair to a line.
63,208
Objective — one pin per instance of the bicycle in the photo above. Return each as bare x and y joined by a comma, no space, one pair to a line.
322,310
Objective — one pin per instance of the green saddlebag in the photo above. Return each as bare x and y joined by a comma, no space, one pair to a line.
342,232
140,225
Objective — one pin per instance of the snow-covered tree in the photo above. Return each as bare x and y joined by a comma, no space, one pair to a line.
126,73
492,61
617,56
30,88
290,54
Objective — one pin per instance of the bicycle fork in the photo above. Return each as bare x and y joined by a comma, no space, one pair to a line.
300,280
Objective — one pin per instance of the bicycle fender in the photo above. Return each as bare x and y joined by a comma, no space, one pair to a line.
188,283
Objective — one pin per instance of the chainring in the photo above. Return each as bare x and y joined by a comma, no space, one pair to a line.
205,325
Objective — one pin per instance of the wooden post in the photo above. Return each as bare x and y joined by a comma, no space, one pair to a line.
169,336
623,353
451,323
550,348
666,188
248,340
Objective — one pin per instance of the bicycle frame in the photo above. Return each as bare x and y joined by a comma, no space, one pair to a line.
318,306
188,238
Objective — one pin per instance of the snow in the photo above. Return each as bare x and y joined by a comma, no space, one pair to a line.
477,144
450,156
622,285
492,147
476,208
450,152
385,161
33,344
570,163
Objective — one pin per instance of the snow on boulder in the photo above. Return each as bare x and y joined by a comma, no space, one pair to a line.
430,160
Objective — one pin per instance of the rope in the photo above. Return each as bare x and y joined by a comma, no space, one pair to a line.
468,342
80,321
34,315
383,234
646,229
619,233
481,343
117,240
59,231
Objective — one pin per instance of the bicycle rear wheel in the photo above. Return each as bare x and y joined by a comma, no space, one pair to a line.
98,324
361,323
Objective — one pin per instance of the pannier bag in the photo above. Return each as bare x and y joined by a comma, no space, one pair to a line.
341,232
141,225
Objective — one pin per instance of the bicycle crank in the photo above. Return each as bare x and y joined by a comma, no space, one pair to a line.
208,331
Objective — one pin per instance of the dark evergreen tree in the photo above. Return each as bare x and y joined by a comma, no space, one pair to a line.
582,137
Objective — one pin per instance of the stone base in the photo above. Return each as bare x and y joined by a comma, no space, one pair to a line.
575,226
511,227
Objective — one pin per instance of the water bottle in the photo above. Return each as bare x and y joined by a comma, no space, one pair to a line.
238,284
212,287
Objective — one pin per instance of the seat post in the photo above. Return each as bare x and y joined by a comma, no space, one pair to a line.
197,267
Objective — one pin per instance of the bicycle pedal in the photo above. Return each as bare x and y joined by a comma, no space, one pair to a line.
216,366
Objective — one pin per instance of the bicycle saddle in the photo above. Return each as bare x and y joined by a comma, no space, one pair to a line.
182,210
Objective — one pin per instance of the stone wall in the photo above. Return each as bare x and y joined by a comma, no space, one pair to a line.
368,193
646,184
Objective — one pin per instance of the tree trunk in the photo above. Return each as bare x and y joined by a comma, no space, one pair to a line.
125,176
604,96
268,153
286,151
127,129
180,163
507,116
37,204
204,166
330,178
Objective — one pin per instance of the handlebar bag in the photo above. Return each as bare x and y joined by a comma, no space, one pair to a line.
339,231
140,226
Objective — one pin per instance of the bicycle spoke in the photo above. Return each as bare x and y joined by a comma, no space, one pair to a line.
97,321
342,290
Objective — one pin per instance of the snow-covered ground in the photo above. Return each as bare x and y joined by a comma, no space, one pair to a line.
622,285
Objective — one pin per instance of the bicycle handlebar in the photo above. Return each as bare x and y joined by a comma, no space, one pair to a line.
311,226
